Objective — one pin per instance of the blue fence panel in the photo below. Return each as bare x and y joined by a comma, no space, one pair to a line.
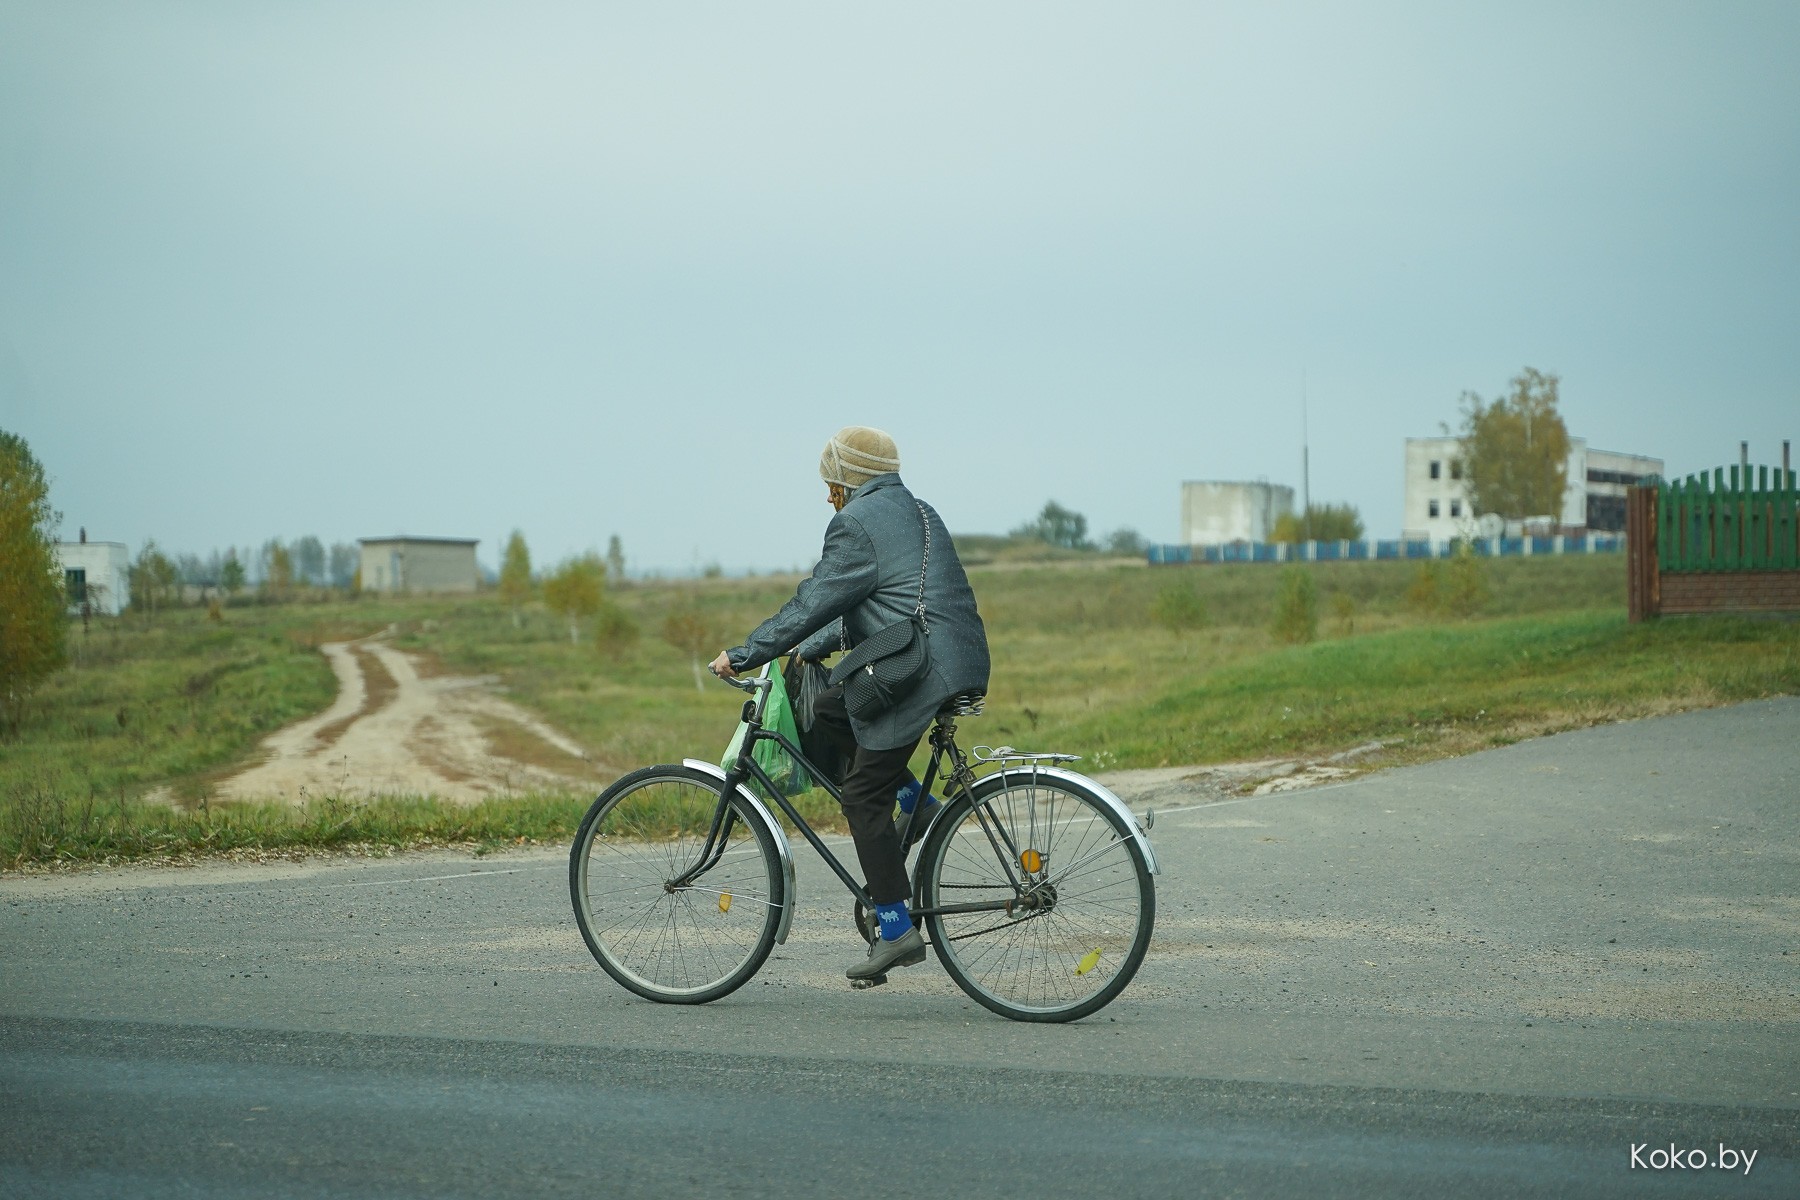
1270,552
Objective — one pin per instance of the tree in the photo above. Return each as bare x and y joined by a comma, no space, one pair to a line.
1126,543
155,579
575,591
687,629
1320,523
278,570
32,592
515,575
1058,526
309,560
192,569
1515,451
342,567
231,573
615,560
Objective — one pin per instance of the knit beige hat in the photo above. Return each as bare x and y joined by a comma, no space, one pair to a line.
856,454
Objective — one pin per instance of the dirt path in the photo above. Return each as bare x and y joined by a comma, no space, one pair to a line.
393,731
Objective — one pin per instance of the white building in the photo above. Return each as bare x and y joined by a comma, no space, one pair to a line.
97,574
1214,513
419,564
1437,501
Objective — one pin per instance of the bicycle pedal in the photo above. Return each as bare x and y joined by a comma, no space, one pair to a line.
860,985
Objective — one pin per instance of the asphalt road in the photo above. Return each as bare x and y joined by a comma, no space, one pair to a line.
1492,976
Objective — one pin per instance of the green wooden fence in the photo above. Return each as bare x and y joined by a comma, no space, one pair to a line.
1719,522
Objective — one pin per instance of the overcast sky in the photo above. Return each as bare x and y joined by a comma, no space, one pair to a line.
366,268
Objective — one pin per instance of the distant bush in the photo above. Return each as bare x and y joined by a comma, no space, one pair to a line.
1178,607
614,632
1457,588
1296,607
1465,591
1423,593
1127,543
1343,609
1320,523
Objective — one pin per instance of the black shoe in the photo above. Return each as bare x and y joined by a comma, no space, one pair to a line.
921,821
907,950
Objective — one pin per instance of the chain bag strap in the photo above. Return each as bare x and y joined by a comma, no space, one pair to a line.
892,661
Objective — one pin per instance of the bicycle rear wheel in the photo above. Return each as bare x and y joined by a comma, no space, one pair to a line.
674,943
1083,901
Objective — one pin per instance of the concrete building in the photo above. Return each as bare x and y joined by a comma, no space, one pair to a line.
1436,506
419,564
1214,513
97,574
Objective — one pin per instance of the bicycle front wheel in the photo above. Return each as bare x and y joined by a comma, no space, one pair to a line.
668,938
1057,898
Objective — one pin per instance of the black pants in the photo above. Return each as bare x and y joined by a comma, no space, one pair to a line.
869,785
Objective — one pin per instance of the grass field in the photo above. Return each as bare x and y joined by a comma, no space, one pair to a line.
1079,665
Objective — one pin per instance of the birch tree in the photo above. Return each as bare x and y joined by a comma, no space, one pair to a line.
1515,450
575,591
515,575
32,595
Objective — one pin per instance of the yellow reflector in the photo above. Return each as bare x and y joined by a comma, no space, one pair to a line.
1031,860
1088,962
724,901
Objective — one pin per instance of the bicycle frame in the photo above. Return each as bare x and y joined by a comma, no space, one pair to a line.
961,779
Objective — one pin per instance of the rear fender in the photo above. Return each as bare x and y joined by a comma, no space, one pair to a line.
987,785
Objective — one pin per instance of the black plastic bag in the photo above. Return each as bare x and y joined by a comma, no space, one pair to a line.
805,681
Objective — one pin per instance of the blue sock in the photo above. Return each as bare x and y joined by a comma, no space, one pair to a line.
908,796
894,920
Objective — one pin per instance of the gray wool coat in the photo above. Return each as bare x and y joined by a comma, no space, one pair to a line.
868,578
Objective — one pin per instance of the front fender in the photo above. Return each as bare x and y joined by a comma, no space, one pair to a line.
762,813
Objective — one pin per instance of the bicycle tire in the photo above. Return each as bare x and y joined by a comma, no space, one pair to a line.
1075,954
688,945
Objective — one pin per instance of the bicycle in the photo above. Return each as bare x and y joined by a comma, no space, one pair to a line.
1033,884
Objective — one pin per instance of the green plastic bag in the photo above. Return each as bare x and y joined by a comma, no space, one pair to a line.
778,717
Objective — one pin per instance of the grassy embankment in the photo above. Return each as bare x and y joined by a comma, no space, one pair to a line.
1079,666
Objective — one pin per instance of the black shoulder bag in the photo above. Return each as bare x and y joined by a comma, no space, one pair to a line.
887,665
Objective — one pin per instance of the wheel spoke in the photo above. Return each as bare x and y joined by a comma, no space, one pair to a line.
1083,919
701,939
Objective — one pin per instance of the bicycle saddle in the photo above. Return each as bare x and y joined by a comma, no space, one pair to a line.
963,704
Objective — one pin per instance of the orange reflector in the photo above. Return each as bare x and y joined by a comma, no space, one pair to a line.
724,901
1031,860
1088,962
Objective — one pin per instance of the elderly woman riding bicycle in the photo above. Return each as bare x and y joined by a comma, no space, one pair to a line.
887,558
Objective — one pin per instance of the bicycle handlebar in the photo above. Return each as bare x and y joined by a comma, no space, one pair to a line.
746,685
